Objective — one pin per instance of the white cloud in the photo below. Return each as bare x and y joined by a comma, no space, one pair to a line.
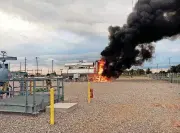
77,16
168,46
45,28
175,50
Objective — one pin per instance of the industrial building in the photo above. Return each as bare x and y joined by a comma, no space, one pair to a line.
79,70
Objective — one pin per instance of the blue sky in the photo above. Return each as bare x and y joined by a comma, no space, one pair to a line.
67,31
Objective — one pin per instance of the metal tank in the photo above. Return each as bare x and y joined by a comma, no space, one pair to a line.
5,74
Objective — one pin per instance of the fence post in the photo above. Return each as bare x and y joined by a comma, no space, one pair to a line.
13,87
43,89
62,89
58,89
26,86
31,85
34,100
43,94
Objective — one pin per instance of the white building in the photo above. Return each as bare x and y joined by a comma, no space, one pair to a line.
82,68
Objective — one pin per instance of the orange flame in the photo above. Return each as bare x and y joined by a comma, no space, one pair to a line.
97,77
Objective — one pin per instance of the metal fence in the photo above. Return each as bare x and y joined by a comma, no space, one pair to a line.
169,77
30,95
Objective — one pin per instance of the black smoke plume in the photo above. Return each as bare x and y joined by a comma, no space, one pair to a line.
131,44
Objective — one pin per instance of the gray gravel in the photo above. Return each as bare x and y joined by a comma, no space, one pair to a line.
125,106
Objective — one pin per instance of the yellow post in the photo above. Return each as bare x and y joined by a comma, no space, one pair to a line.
52,106
31,85
89,99
5,86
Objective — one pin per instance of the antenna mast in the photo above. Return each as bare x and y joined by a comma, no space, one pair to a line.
5,57
3,54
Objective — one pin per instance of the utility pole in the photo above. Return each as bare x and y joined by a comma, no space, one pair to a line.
37,64
20,66
52,66
62,70
170,62
157,67
25,64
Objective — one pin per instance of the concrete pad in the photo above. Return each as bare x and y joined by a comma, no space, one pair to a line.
63,107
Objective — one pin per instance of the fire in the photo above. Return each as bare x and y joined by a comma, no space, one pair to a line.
97,77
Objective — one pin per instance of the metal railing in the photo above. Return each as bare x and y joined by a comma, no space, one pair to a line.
34,90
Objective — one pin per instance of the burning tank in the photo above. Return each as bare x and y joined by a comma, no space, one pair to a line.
98,72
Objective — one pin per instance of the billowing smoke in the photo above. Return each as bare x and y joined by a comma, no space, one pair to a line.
132,44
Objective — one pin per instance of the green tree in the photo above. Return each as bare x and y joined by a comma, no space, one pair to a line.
173,69
140,71
148,71
131,72
162,72
178,68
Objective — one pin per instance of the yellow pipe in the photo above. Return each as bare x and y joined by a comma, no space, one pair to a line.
89,99
5,86
52,106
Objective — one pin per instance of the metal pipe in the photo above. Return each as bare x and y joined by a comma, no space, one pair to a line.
30,79
36,86
22,91
10,91
26,86
62,89
34,100
13,88
43,94
58,89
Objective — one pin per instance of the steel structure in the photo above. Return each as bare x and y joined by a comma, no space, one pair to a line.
4,71
5,57
23,98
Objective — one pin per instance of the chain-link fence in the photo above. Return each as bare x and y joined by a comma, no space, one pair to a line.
169,77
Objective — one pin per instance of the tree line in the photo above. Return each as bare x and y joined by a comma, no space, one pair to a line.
173,69
136,72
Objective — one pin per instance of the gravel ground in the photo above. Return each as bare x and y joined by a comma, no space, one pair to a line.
126,106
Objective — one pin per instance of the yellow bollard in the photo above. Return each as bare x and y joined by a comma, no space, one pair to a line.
52,106
89,98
